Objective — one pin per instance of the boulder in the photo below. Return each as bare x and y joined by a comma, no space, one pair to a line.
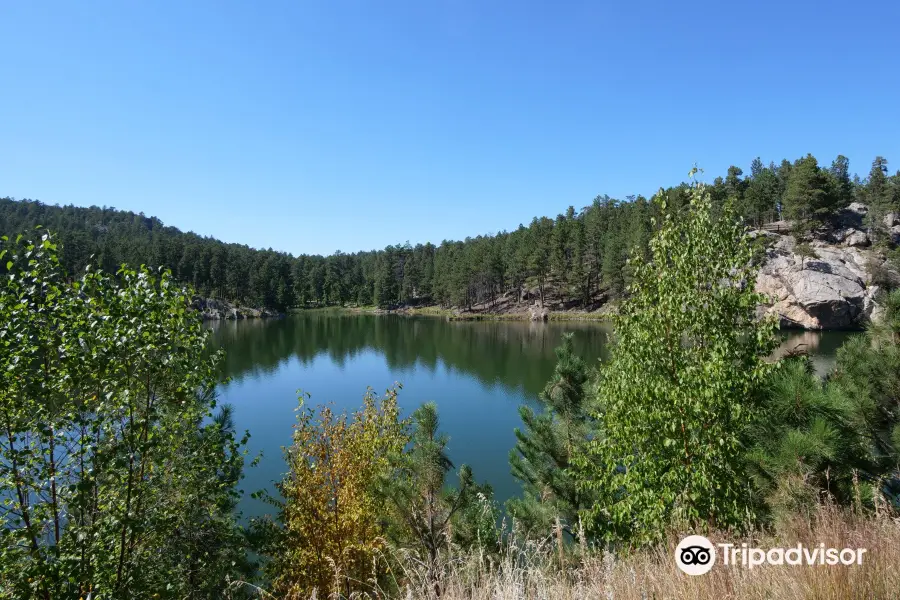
872,310
829,291
851,217
895,234
857,238
858,208
763,233
785,243
209,308
538,313
891,219
213,309
850,237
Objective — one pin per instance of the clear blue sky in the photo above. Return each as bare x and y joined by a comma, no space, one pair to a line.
317,126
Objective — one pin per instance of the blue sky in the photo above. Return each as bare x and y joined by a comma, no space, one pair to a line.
310,127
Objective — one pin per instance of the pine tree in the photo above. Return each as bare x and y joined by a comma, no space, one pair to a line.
804,442
783,174
615,253
544,450
515,252
808,201
867,372
878,194
637,236
840,176
540,234
560,256
386,284
804,251
579,276
423,513
762,194
734,185
876,185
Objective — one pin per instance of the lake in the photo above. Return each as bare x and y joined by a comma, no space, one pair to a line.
478,373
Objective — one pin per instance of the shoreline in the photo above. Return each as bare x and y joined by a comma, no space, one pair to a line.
457,315
447,314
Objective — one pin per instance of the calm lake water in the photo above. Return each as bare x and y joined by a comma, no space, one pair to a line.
478,373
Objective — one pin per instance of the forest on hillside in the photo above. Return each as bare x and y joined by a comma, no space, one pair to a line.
581,255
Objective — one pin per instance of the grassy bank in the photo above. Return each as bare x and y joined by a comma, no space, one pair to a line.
457,315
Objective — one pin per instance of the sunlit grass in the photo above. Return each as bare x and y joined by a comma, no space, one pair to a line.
531,571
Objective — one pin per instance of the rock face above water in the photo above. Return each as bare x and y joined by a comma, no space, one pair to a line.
212,310
538,312
832,290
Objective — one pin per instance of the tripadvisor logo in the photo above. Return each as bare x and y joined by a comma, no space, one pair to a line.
696,555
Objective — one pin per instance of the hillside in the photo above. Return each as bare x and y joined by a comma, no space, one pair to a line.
575,261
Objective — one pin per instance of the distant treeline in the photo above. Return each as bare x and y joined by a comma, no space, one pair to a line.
580,255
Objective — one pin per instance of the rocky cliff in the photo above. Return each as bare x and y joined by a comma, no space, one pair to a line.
212,309
837,287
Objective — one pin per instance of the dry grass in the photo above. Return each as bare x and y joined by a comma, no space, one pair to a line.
532,571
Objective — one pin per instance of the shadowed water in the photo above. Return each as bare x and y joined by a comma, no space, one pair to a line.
478,373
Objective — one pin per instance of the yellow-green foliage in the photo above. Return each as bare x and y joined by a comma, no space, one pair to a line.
331,533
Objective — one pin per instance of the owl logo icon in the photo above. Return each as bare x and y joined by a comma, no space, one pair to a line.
695,555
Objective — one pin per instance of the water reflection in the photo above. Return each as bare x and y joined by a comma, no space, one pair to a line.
477,372
821,346
517,355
